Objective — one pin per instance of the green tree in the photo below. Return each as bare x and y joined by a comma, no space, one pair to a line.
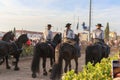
107,30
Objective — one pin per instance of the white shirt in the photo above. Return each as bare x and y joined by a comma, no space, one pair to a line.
69,34
48,35
98,33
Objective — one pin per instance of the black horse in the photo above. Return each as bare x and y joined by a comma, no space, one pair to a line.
8,37
14,49
67,52
95,52
44,50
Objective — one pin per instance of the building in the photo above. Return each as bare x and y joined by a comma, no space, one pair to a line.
112,35
84,36
33,35
1,34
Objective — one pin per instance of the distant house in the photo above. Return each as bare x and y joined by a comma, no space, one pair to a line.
84,36
112,35
1,34
33,35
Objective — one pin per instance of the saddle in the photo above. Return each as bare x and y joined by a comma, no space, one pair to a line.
51,45
69,41
103,45
74,44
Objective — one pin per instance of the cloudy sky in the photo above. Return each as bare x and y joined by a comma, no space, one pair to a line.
36,14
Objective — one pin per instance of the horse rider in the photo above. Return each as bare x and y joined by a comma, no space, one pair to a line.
98,37
98,34
48,35
69,37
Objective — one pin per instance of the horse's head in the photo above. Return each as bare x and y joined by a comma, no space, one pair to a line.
8,36
58,38
77,38
23,38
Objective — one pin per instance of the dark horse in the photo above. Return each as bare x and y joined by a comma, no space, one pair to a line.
95,52
14,49
67,52
8,37
44,50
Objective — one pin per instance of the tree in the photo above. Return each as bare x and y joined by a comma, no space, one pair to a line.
107,32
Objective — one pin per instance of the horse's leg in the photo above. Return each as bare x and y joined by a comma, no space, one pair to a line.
70,66
76,62
66,65
88,56
1,61
98,55
51,64
16,63
7,63
44,66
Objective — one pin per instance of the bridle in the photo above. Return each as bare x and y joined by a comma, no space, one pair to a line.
16,48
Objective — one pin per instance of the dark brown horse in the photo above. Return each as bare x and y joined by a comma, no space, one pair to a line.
44,50
8,37
67,52
95,52
14,48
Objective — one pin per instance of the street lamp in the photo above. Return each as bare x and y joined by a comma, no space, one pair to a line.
89,37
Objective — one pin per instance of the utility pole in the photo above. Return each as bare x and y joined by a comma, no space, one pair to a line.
89,36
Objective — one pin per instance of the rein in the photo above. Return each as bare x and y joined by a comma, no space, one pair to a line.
15,47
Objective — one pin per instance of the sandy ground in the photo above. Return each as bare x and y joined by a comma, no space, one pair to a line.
25,71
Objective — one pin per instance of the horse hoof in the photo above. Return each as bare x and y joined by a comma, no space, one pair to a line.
8,67
34,76
45,73
50,70
16,69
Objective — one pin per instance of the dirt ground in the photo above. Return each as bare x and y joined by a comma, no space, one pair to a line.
25,71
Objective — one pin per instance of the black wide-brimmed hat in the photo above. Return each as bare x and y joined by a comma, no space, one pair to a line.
100,25
49,25
67,25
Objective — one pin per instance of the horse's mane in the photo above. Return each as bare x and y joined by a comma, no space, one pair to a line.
22,36
77,38
56,37
6,35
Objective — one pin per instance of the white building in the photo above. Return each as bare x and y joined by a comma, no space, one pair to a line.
1,34
83,36
33,35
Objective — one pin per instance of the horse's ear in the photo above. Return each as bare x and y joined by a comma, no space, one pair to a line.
78,34
60,34
26,34
12,33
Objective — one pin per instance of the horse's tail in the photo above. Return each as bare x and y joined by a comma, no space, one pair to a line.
87,55
108,51
35,61
57,67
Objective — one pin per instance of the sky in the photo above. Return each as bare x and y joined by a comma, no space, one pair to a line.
34,15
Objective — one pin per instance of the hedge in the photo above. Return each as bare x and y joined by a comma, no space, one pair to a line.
101,71
27,51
